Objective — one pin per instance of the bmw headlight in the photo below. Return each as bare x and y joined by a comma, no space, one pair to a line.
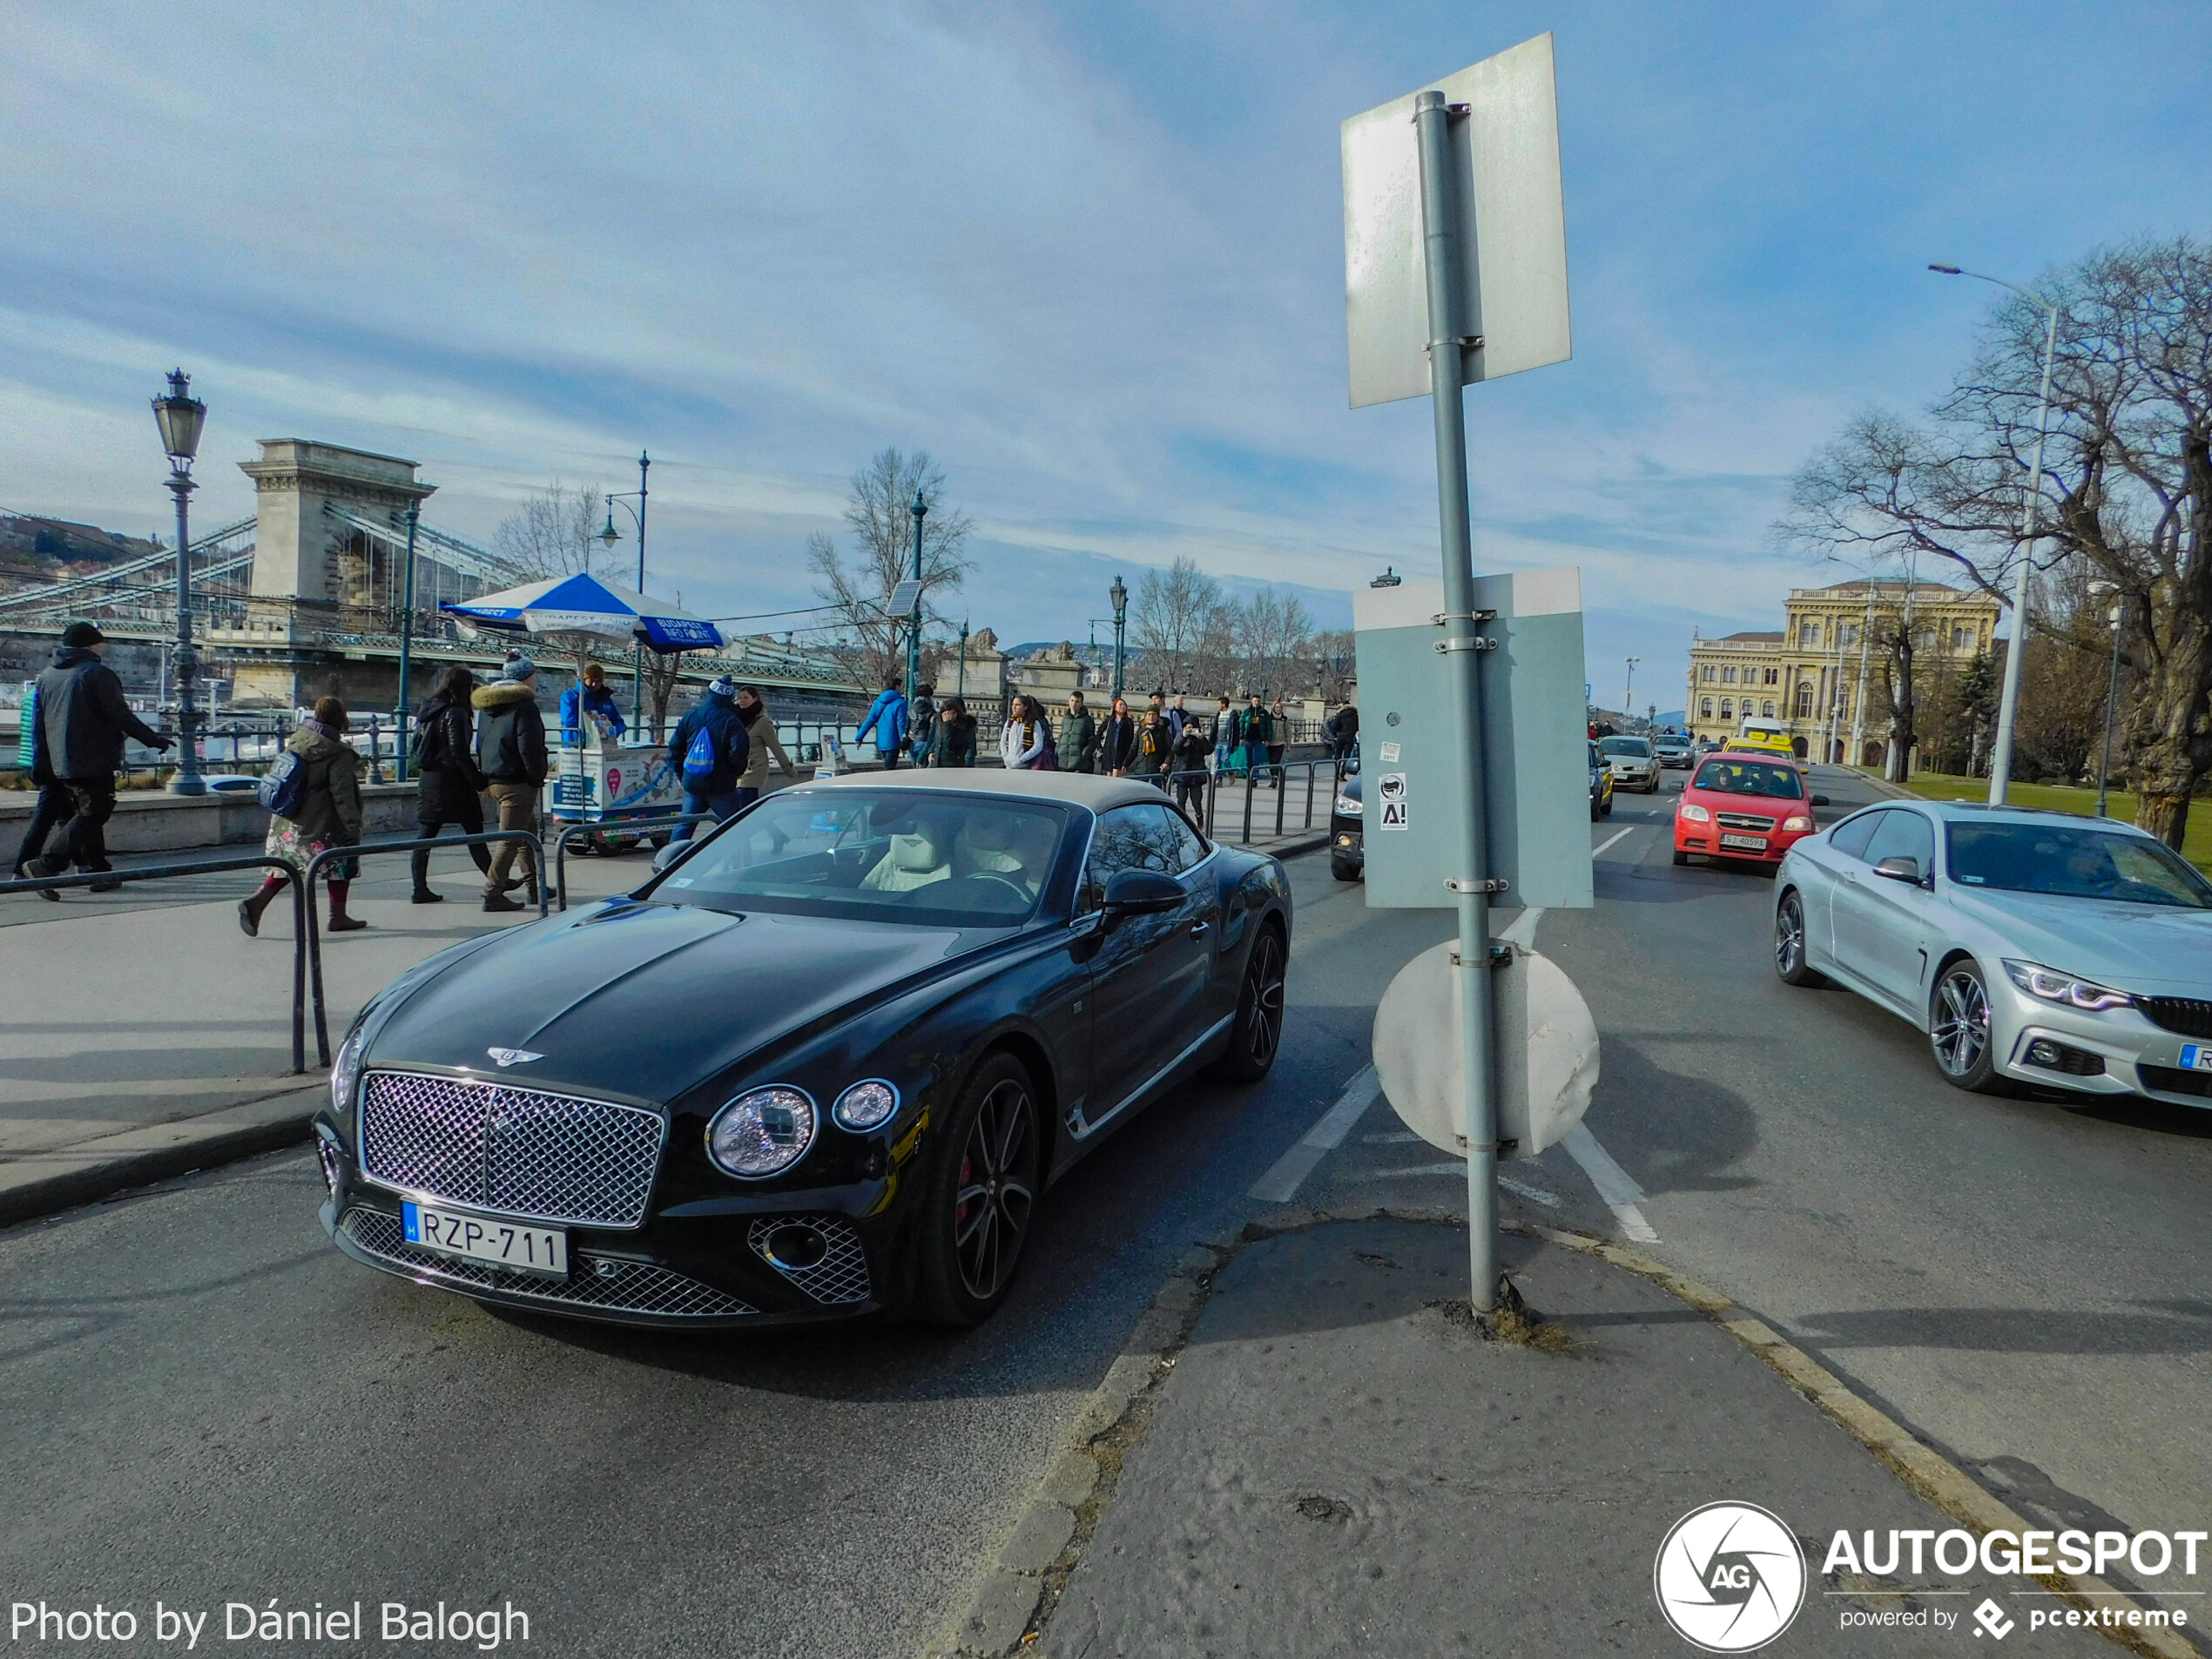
1695,813
346,1075
2064,989
763,1131
1350,807
865,1104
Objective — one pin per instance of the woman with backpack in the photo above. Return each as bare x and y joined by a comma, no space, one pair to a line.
1025,745
314,793
447,787
952,743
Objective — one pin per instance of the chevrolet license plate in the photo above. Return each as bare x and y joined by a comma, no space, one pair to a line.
1752,843
543,1251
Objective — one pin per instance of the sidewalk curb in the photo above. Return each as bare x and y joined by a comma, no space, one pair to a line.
208,1149
1005,1608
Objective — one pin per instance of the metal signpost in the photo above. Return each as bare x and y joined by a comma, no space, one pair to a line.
1455,271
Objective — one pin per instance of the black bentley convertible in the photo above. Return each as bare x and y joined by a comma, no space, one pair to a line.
824,1063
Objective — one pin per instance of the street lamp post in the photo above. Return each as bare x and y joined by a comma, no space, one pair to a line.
2112,686
962,692
608,537
920,510
2001,762
407,639
1119,595
1628,692
180,416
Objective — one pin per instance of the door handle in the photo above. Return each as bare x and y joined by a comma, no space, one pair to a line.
1198,929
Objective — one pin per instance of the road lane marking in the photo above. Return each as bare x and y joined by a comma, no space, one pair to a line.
1614,1185
1537,1195
1280,1184
1611,839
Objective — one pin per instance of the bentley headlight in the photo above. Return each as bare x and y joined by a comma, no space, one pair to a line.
1350,807
2064,989
1695,813
346,1075
865,1104
763,1131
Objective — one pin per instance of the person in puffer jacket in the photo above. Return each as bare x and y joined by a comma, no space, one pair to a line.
329,815
511,754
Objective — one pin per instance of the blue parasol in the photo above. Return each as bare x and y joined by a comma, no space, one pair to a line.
583,604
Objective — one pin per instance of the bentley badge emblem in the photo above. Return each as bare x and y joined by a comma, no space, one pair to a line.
512,1056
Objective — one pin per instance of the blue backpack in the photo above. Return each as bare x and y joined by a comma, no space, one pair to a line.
702,759
283,788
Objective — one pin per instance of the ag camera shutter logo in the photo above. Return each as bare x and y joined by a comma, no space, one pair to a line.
1730,1578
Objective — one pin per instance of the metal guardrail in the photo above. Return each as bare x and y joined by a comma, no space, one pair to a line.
560,843
302,914
312,932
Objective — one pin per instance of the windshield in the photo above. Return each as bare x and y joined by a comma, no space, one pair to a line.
955,860
2074,862
1750,777
1640,747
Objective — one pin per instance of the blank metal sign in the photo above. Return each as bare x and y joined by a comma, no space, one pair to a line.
1506,162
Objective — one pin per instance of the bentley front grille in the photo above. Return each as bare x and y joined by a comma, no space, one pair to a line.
604,1282
547,1157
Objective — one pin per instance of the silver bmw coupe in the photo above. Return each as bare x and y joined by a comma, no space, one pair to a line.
2033,948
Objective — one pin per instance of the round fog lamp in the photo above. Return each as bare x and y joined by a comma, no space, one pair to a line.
762,1132
865,1104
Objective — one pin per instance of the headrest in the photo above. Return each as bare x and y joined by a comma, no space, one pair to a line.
915,853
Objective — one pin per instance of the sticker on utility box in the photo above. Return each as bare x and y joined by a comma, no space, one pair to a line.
1391,788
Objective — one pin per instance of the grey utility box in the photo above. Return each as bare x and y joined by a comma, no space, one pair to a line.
1534,743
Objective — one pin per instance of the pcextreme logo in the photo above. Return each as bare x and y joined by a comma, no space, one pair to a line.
1730,1578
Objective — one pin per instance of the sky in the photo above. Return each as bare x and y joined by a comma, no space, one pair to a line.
1088,257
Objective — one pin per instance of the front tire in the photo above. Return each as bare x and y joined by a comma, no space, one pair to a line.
981,1196
1960,1032
1257,1032
1790,942
1342,871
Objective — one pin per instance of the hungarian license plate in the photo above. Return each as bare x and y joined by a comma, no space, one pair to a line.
544,1251
1753,843
2195,1057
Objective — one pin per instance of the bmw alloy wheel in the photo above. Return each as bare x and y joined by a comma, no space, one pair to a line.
1960,1031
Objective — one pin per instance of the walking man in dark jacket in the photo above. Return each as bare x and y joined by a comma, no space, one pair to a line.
510,753
81,722
447,787
709,752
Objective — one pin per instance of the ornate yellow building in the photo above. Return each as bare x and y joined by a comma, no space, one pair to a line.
1817,671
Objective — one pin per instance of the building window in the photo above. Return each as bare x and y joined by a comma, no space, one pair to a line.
1728,708
1728,675
1705,709
1774,677
1808,633
1706,673
1804,702
1767,708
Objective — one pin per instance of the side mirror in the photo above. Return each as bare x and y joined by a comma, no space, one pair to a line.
1820,800
1899,869
1142,892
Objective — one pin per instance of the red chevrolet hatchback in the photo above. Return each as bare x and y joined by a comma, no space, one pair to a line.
1742,806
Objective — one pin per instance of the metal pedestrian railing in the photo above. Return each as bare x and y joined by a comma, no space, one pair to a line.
561,842
311,931
302,913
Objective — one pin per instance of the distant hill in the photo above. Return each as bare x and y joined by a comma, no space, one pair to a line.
33,550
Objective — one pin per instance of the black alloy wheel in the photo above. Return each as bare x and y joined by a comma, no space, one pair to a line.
1960,1031
982,1195
1790,942
1344,871
1257,1032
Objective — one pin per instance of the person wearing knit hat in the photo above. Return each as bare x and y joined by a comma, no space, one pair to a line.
709,752
512,756
77,744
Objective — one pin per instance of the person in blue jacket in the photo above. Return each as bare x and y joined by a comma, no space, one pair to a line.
589,696
709,753
888,719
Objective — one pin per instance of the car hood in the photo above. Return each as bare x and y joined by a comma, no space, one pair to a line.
646,1001
2157,948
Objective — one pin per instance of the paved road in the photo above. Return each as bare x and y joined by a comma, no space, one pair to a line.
199,1399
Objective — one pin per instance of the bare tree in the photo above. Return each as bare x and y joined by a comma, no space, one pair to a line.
2127,487
1334,664
878,513
1274,636
1170,620
555,532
